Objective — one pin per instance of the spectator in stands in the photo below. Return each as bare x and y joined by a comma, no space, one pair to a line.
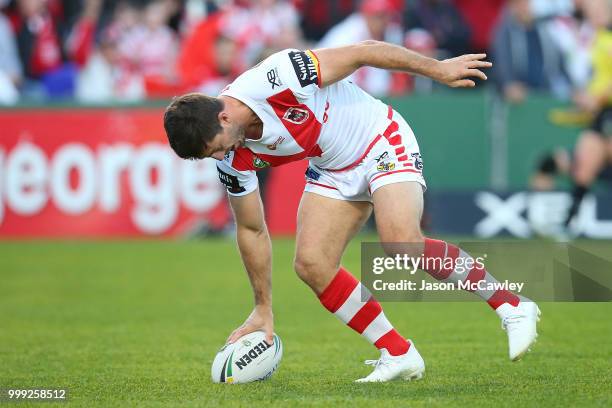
276,23
49,58
223,71
525,55
149,49
373,21
38,41
98,80
235,37
107,75
482,17
80,40
126,18
319,16
10,65
259,25
574,36
443,21
208,59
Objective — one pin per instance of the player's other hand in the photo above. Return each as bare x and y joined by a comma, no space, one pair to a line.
455,72
261,318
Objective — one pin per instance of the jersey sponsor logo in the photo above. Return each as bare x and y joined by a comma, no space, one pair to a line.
383,156
274,145
273,78
312,174
418,161
385,166
305,68
260,164
230,181
296,115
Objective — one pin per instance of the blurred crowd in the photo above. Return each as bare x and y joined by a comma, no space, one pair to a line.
130,50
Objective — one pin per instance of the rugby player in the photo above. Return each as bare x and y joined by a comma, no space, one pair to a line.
593,151
363,157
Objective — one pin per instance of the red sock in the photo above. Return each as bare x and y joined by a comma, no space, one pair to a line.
342,297
435,249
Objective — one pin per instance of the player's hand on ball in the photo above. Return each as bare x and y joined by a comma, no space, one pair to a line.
261,318
455,72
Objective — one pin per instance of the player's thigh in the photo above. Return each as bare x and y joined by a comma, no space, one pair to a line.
324,228
590,156
398,208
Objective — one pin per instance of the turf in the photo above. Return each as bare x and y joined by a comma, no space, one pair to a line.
138,323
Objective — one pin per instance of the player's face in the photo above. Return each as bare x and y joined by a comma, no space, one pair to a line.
230,138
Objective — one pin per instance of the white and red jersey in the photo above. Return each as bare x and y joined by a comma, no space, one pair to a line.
332,126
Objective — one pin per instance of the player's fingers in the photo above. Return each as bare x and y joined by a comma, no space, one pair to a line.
231,338
236,334
243,331
475,73
269,335
479,64
474,56
464,83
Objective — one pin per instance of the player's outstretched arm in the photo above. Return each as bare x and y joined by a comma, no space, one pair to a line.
338,63
256,252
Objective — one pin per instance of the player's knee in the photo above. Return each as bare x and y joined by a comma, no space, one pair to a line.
308,268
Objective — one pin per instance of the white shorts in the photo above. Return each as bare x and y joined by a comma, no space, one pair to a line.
392,157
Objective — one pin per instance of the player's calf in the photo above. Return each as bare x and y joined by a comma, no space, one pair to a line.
351,302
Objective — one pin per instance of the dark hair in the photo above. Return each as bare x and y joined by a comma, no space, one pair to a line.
191,122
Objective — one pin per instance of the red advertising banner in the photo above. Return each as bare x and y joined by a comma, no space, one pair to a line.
100,173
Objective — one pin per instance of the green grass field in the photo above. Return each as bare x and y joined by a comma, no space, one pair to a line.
138,323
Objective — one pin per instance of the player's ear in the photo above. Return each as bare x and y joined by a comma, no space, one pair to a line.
223,117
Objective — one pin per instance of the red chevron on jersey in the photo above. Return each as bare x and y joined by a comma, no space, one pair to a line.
297,118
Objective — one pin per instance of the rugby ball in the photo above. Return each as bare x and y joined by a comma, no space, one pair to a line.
248,359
